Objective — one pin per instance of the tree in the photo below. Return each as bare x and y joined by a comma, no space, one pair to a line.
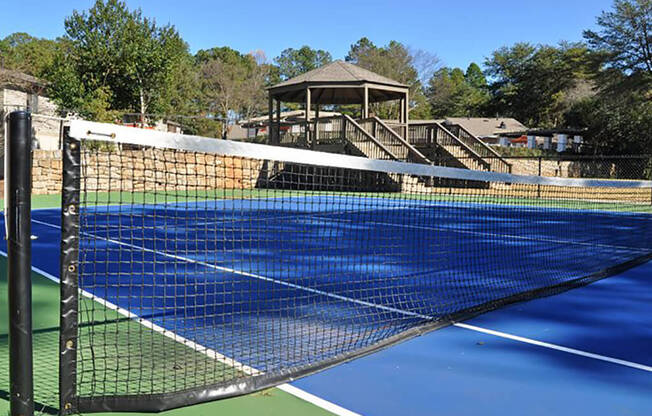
121,58
618,119
254,95
25,53
392,61
625,37
453,93
362,47
231,83
475,77
442,87
396,62
426,63
621,124
532,83
292,62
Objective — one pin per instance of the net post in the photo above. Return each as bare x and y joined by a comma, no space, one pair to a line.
69,306
19,267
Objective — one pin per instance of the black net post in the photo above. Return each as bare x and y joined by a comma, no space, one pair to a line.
18,217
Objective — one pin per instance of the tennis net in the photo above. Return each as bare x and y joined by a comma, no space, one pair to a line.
196,269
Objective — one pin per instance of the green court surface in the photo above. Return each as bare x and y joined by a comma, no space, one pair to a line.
45,298
639,201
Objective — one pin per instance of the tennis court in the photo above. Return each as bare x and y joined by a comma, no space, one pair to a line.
187,277
320,227
303,252
344,271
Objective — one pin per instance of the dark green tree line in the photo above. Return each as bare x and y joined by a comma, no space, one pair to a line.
453,93
114,59
397,62
618,118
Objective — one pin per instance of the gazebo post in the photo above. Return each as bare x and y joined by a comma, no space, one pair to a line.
365,104
308,115
316,136
278,121
401,112
270,124
406,116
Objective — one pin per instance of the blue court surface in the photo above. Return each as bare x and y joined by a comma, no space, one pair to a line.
585,351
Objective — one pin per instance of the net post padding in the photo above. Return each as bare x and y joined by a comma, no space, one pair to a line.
68,339
19,267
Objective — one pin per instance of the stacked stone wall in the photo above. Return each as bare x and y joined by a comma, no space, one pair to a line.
149,170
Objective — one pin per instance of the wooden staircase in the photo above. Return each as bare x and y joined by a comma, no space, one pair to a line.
428,143
496,162
444,148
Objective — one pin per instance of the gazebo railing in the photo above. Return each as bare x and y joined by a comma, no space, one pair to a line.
427,143
398,128
292,134
341,132
327,130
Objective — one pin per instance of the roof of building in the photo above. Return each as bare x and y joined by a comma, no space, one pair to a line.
331,81
552,132
488,127
340,72
286,116
20,80
424,121
236,132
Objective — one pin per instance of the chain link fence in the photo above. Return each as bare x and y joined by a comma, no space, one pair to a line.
572,166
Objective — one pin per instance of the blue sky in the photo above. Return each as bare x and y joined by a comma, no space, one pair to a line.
459,32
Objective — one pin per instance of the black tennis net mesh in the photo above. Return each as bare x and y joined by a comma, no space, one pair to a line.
195,269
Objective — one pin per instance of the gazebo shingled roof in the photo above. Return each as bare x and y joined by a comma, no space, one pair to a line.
338,83
335,83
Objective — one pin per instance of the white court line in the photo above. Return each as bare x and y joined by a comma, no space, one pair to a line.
316,400
295,391
554,347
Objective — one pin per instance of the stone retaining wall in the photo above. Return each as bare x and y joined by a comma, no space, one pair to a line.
608,168
46,172
146,170
548,167
154,170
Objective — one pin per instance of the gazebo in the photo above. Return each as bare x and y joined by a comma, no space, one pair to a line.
336,83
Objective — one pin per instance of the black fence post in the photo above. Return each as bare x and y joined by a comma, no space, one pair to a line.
539,174
19,268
